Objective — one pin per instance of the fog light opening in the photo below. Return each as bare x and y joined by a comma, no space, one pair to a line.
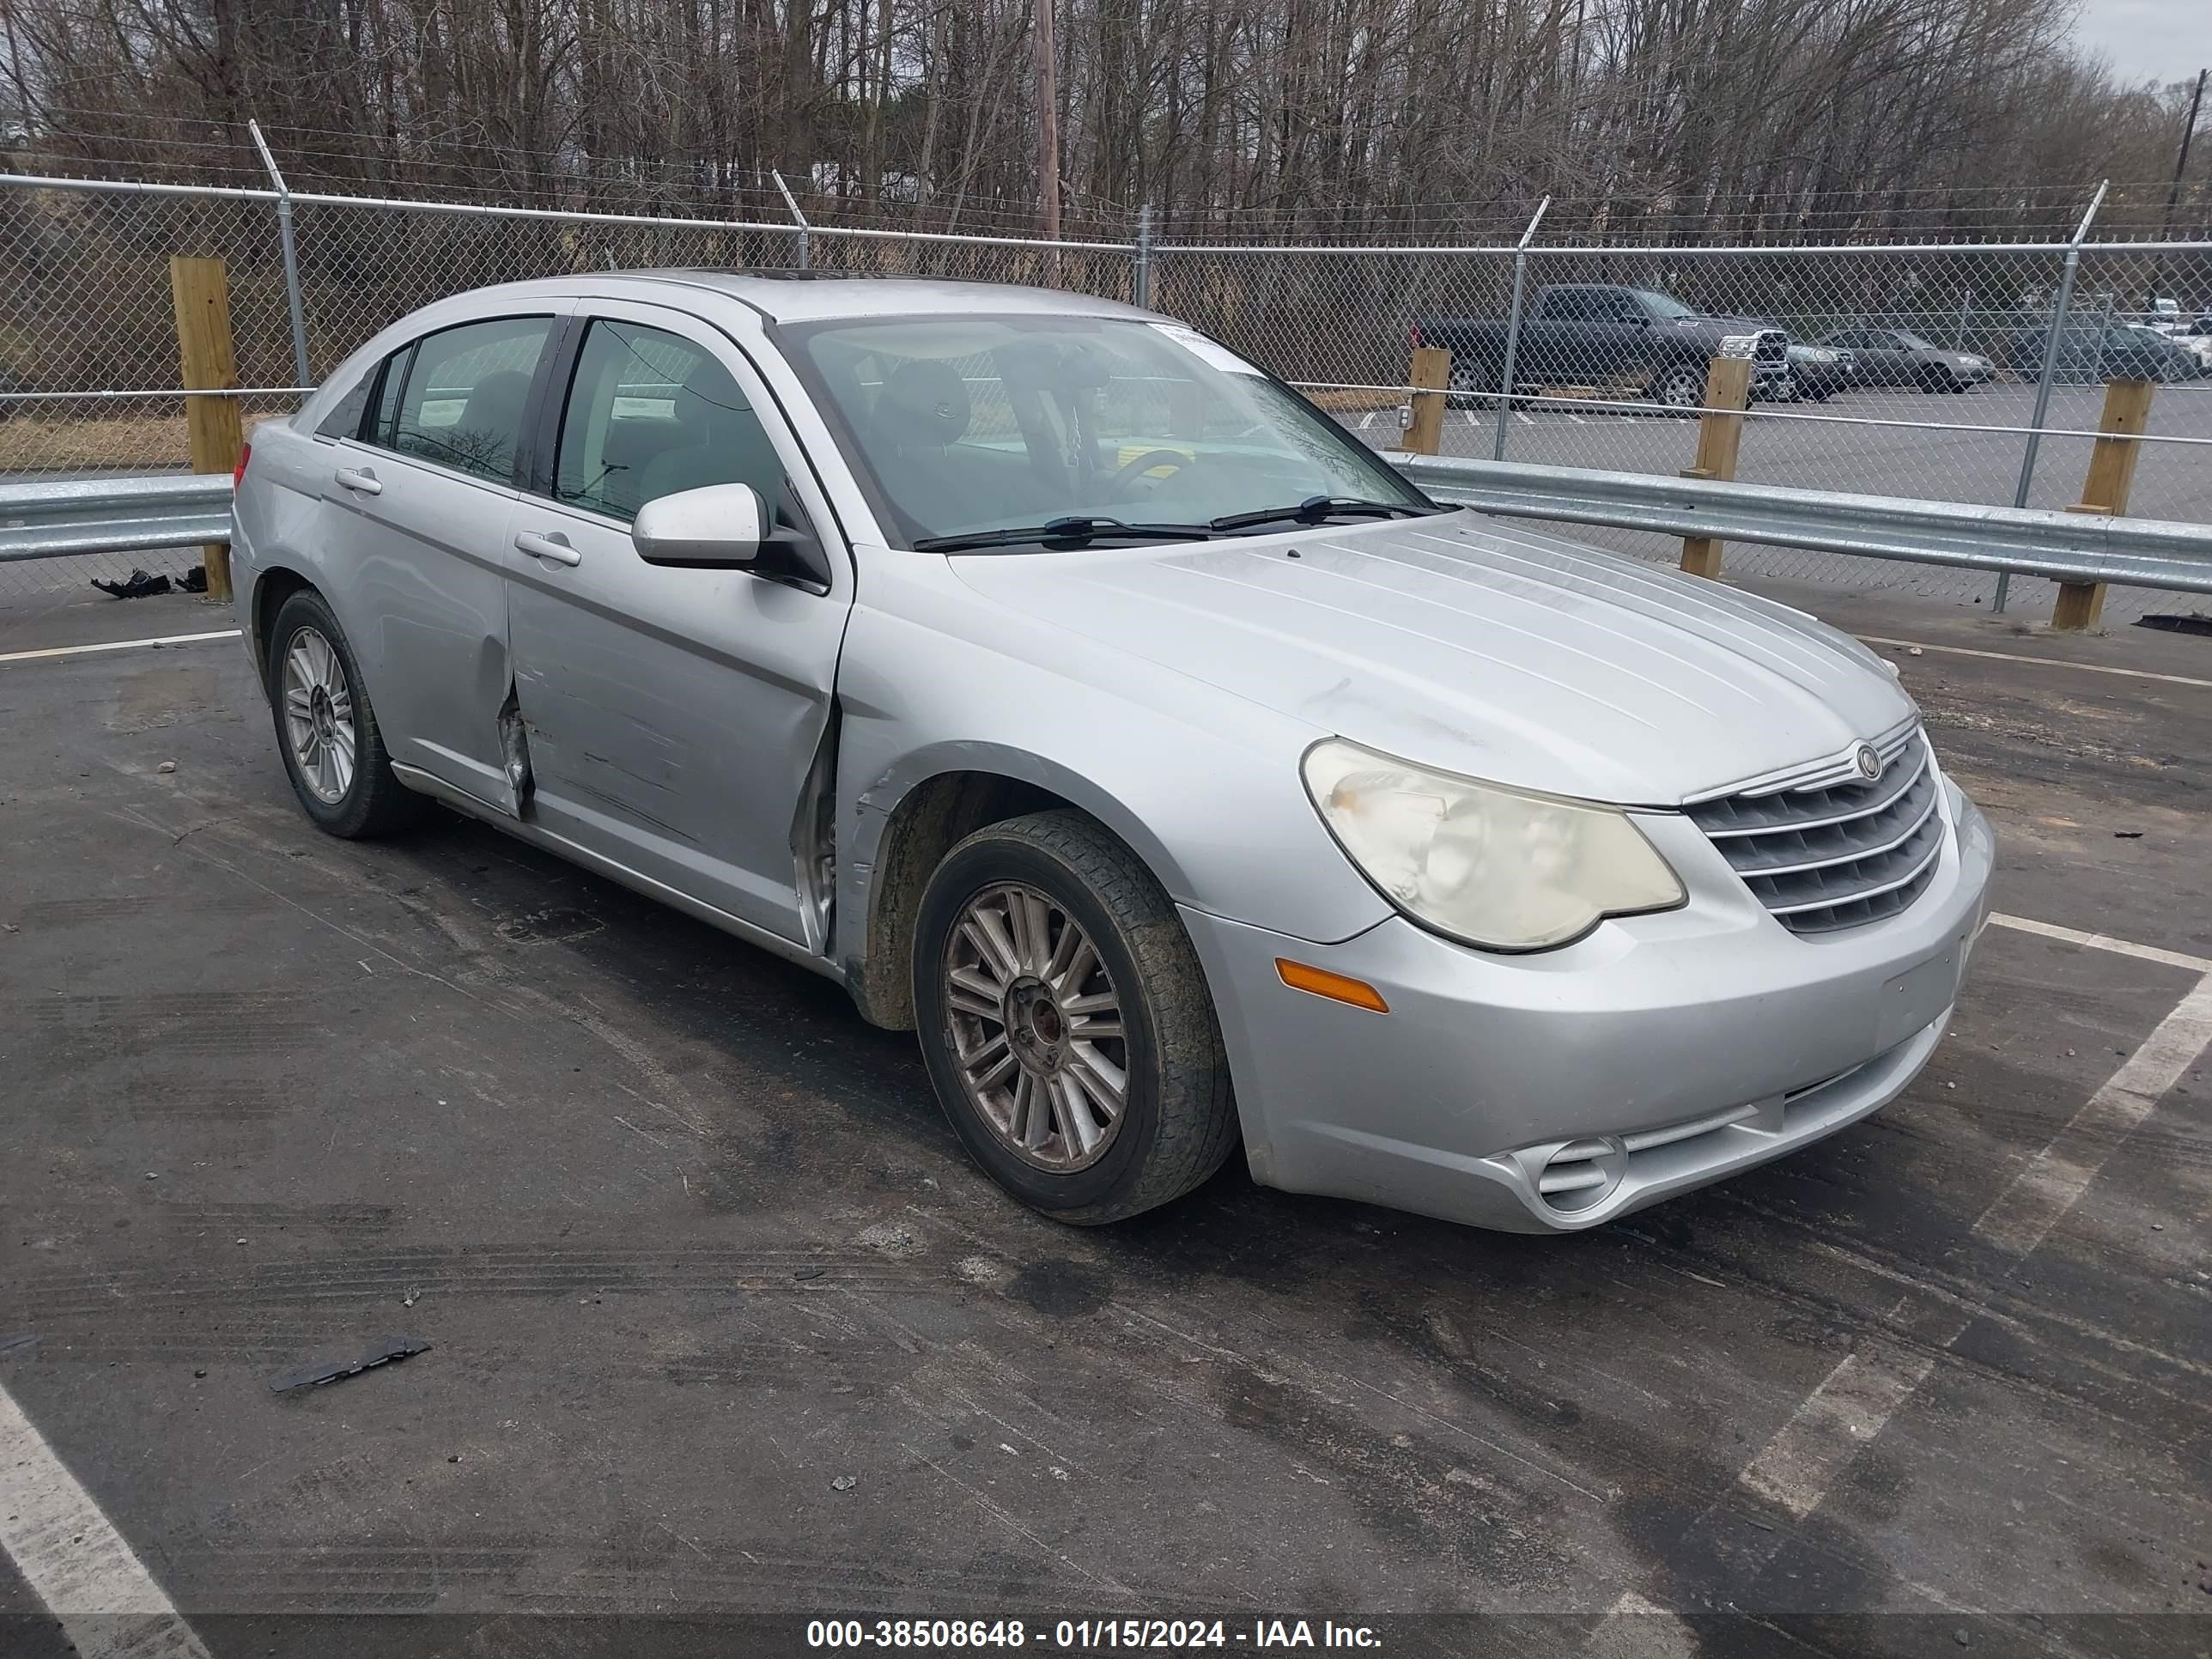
1583,1174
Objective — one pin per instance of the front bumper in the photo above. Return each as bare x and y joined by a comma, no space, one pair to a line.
1640,1037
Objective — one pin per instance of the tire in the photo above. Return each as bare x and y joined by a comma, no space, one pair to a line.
1470,376
361,802
1680,386
1934,380
1177,1119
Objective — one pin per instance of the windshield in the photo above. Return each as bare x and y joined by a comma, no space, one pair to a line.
1662,304
962,425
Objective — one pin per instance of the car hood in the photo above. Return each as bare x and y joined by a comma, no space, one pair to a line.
1470,644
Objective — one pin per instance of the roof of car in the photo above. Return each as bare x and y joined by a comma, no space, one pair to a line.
794,297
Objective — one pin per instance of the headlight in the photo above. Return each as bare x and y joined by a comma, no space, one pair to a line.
1491,866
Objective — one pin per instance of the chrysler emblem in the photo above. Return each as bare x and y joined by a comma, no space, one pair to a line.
1870,763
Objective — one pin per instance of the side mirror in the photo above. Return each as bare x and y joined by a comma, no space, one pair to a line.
718,527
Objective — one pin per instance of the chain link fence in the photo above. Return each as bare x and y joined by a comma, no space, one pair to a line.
1916,371
1910,371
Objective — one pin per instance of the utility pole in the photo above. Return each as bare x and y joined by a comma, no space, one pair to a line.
2181,156
2174,190
1048,133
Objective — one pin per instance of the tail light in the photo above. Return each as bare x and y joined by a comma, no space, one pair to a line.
238,472
1415,339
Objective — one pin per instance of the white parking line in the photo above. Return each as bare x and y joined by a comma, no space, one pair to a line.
2104,942
75,1562
1856,1401
117,645
2022,1216
2037,662
1851,1406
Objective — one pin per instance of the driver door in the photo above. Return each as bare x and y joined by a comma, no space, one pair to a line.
673,716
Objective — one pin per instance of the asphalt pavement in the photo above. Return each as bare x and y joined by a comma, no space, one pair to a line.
726,1333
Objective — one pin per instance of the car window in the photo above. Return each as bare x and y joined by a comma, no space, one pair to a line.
462,396
344,419
1914,342
1566,305
649,413
1661,305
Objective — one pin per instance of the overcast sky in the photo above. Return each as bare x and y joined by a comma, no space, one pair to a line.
2148,40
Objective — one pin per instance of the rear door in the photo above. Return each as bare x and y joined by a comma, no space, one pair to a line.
1557,346
416,505
673,716
1894,364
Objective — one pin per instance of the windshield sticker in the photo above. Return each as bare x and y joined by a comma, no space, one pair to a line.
1207,351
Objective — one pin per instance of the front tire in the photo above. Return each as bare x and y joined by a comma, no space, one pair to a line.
1066,1021
326,732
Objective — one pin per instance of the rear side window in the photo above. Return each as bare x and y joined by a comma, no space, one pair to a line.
459,396
344,419
649,413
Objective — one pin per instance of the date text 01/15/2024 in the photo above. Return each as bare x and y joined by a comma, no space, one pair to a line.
1089,1635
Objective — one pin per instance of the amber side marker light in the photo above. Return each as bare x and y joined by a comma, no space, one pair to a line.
1337,987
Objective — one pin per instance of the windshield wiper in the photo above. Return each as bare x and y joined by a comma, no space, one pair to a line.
1075,531
1316,508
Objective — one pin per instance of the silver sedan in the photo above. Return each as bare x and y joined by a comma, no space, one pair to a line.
1079,697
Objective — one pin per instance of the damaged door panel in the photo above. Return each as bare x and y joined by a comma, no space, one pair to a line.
514,748
672,720
814,843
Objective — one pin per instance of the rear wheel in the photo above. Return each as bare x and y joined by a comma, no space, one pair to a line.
325,729
1471,377
1680,386
1065,1022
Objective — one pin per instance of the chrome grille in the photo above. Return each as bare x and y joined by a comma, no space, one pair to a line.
1825,857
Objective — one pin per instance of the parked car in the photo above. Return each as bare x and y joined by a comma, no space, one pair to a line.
1598,334
1817,373
1080,697
2196,346
1897,356
2091,353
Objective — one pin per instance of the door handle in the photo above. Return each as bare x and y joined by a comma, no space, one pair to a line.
553,547
361,479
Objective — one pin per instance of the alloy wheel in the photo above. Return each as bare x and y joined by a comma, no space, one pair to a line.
1037,1028
318,720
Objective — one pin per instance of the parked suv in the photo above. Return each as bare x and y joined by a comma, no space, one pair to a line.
1602,334
1079,697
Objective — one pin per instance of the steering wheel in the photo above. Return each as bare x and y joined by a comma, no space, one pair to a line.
1127,476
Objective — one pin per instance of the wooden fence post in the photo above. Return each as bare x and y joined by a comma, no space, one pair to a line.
1720,432
200,290
2111,475
1432,374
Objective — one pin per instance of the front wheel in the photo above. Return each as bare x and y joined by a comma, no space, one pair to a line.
1066,1021
332,747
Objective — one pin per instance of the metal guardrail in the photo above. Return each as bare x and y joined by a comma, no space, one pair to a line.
127,514
2075,547
112,514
